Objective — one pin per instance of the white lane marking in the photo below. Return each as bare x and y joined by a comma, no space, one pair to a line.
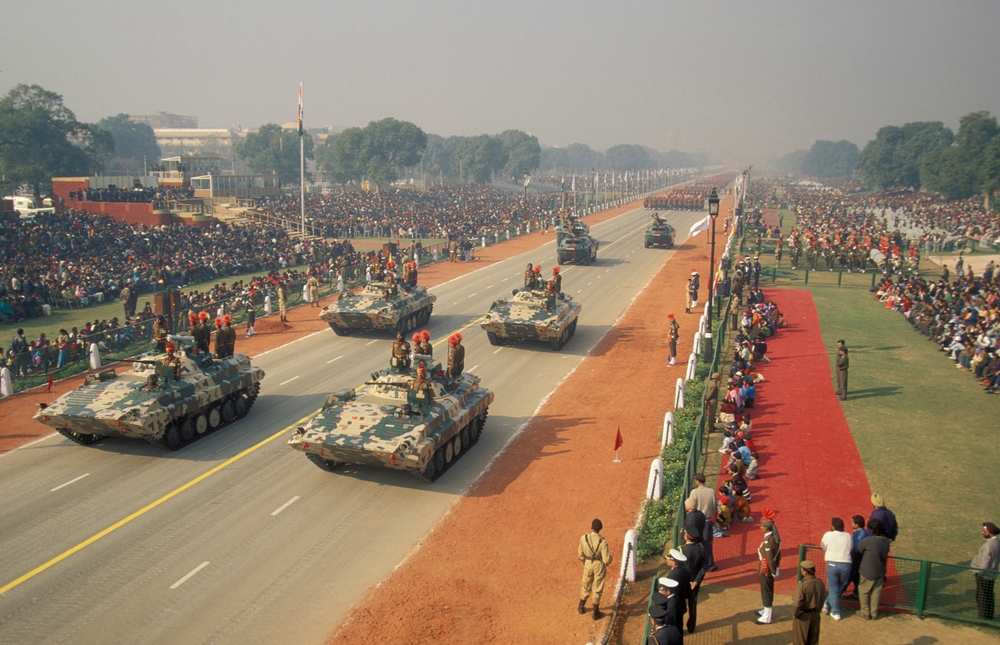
454,303
12,451
289,343
335,359
589,283
285,505
490,287
606,270
599,277
579,290
371,342
288,381
68,483
505,280
471,294
474,368
188,576
498,351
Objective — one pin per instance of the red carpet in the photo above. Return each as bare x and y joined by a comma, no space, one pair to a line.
810,469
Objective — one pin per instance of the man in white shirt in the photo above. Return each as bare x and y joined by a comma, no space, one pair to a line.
836,545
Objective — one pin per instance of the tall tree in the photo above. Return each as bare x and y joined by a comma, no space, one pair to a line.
582,158
134,142
40,138
830,159
477,158
274,150
989,170
378,151
893,158
522,150
948,171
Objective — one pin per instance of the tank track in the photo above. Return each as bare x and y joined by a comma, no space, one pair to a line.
252,393
475,429
82,439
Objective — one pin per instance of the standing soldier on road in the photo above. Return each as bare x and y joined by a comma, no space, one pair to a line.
593,553
690,295
673,334
251,318
401,352
806,604
313,285
282,302
769,559
712,401
696,284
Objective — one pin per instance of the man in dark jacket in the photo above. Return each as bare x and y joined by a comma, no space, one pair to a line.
806,604
885,516
695,554
842,366
874,551
679,572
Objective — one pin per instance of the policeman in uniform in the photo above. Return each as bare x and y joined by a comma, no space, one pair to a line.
401,353
810,594
456,356
592,551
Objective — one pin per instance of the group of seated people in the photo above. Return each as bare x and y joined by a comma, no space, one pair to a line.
960,315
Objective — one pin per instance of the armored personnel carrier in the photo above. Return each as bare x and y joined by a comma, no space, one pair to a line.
574,242
532,314
659,233
167,406
385,306
404,419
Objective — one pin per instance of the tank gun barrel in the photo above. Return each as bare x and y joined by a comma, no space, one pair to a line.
399,385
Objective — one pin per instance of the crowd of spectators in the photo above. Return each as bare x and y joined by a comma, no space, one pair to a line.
137,194
454,211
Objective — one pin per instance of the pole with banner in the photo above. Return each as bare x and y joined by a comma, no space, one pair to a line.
302,165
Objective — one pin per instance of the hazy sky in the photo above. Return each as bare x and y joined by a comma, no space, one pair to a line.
746,78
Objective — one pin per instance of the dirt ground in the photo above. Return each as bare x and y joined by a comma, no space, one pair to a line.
271,333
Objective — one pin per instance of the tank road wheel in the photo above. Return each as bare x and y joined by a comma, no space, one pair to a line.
439,460
171,439
187,430
214,418
456,445
227,412
252,393
337,329
449,452
240,405
201,424
646,244
572,330
494,339
400,326
558,343
425,315
329,465
464,434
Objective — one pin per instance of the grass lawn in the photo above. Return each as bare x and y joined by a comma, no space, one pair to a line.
924,428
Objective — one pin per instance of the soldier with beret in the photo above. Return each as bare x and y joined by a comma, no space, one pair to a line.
456,356
769,559
806,604
592,550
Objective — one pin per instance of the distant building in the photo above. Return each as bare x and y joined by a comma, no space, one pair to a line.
164,120
197,141
215,186
178,171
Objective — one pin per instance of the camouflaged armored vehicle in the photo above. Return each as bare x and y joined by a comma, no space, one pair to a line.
375,307
387,424
574,242
532,314
659,233
149,402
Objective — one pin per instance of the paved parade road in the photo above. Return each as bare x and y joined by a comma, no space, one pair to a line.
237,538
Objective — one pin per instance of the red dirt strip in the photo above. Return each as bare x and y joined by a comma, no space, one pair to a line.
810,468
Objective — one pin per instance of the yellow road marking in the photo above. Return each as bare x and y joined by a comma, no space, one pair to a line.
177,491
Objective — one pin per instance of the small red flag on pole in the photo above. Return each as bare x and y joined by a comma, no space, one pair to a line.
50,384
618,444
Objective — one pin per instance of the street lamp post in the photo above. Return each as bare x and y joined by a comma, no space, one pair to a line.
713,212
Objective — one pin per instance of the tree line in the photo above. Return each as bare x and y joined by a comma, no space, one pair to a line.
41,138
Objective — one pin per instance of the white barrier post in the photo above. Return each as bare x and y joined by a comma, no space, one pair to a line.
679,394
708,309
667,437
6,383
654,487
701,326
696,348
692,365
628,555
95,357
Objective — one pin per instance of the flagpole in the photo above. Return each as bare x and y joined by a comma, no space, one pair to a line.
302,166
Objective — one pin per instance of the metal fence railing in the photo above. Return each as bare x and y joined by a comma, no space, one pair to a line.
923,588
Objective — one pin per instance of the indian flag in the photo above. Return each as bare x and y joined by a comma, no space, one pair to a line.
300,109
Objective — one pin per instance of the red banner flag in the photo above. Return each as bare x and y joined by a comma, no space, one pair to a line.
50,383
618,439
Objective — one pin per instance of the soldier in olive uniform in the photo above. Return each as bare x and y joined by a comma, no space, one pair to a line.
456,356
810,594
313,284
842,365
422,384
220,339
529,277
769,559
557,278
172,361
204,335
425,344
592,551
401,353
282,302
160,331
